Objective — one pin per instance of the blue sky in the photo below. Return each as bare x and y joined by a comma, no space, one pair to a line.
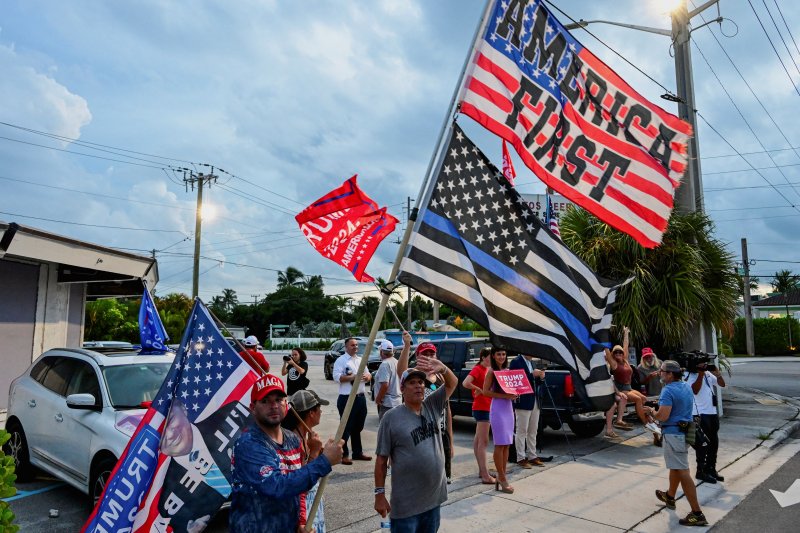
292,98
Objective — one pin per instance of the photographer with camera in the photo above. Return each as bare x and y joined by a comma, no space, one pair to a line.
703,378
296,370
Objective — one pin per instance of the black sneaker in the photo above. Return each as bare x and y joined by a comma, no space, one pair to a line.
694,519
668,500
716,475
705,476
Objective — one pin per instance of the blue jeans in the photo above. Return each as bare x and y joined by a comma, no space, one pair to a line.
427,522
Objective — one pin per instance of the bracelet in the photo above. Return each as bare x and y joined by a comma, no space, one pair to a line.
380,490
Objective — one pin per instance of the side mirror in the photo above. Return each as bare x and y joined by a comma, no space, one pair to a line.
82,401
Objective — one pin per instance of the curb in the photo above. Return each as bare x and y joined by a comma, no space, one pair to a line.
778,435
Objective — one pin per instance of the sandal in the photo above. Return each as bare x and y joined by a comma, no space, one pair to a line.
622,425
611,435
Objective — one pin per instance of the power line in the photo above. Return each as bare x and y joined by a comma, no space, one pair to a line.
780,35
787,26
773,48
93,225
738,110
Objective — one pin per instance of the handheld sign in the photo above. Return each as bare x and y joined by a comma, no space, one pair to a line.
513,381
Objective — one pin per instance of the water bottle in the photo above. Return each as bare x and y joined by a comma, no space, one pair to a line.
386,524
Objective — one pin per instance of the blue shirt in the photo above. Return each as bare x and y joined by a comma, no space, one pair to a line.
677,394
267,481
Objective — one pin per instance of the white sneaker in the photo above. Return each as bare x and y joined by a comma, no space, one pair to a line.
651,426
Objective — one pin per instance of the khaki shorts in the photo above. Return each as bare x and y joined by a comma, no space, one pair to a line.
676,453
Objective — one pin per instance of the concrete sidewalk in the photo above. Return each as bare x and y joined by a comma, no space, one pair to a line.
613,489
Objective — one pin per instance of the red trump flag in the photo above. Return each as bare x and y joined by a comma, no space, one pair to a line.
346,226
574,122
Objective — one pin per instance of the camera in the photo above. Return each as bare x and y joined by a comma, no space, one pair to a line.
693,361
286,358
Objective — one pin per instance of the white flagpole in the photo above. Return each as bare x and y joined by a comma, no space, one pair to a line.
424,193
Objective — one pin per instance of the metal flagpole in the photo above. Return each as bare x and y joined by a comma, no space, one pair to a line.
444,133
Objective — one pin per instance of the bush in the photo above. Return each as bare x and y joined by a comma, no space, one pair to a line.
770,336
7,489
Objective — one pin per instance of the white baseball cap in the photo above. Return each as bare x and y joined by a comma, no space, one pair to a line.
251,341
387,346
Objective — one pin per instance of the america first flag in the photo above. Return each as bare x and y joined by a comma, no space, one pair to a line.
574,122
174,474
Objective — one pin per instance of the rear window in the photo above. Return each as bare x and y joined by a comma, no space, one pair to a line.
130,385
40,369
58,375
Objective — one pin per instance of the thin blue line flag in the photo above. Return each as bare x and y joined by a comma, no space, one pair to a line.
151,330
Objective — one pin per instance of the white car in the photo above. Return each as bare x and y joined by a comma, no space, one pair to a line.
73,411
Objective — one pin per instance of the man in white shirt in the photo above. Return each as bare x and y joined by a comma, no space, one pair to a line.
344,373
704,386
386,380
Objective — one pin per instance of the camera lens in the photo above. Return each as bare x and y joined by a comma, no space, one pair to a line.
286,357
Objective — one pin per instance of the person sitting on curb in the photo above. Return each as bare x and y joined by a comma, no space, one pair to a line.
674,411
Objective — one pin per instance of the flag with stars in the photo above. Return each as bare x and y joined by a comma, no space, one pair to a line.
175,470
550,218
478,247
574,122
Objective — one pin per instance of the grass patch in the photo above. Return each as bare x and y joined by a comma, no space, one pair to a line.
764,436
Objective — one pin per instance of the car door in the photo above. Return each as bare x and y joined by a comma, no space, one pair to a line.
27,404
82,425
50,405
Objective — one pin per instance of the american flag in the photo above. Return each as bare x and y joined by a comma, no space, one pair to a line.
478,248
176,467
508,166
550,219
574,122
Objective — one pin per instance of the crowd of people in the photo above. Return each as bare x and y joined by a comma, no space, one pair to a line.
279,458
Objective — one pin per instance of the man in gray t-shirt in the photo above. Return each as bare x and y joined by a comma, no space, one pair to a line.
387,383
409,435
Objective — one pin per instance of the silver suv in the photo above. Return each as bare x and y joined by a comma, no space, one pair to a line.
74,410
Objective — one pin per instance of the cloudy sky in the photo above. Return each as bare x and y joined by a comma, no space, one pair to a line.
289,99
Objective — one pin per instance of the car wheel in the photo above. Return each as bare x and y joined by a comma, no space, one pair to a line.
586,429
17,447
100,477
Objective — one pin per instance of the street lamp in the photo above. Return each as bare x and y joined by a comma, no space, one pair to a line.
689,196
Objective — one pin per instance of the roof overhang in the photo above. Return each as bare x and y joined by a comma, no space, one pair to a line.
107,272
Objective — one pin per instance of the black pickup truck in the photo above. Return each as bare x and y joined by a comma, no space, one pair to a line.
558,401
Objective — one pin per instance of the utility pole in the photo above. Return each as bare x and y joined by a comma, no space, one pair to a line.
255,299
748,308
200,180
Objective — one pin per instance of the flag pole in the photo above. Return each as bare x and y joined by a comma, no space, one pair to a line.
444,134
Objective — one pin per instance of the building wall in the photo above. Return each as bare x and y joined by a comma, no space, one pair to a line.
36,314
19,285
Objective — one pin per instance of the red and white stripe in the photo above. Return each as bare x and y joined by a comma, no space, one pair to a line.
638,203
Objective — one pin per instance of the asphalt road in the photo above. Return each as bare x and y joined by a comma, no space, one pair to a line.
778,375
760,511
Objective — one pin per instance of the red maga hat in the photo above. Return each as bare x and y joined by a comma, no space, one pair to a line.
266,384
426,347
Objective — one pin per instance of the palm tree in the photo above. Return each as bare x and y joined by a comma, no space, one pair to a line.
292,277
688,279
229,299
784,281
313,283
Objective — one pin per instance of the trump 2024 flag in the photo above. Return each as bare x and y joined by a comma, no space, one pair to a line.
574,122
346,226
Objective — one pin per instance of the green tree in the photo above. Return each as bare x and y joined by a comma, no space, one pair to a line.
110,319
174,311
784,281
291,277
688,279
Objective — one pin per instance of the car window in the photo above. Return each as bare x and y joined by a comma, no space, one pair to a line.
57,377
446,353
39,370
84,381
375,352
130,385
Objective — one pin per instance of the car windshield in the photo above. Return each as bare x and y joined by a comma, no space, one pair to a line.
130,385
375,352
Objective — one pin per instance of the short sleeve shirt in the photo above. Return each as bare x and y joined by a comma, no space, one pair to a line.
678,395
479,401
414,444
387,373
703,400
